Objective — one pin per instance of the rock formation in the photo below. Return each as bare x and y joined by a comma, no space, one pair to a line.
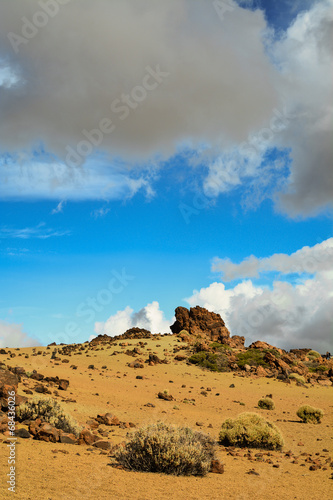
199,322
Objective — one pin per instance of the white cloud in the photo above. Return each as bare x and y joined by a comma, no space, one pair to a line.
149,317
304,58
12,335
222,90
58,209
68,83
288,315
40,232
306,260
55,180
100,212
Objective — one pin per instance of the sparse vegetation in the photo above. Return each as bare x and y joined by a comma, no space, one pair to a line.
168,449
252,431
309,414
318,369
217,362
266,403
313,354
216,346
49,410
297,377
252,357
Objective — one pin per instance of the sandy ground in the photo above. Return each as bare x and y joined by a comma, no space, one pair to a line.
43,471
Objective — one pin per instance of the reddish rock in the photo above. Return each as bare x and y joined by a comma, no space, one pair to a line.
236,342
102,445
261,372
8,382
47,432
63,384
34,426
201,323
67,438
263,345
180,357
87,437
217,467
136,364
165,396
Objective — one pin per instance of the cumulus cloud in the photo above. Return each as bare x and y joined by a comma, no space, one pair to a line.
12,335
306,260
284,314
149,317
300,124
218,82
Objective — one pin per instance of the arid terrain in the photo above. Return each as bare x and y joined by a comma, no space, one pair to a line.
54,470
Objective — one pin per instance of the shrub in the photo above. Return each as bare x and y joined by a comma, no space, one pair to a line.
49,410
297,377
217,362
313,354
250,430
216,346
309,414
266,403
320,368
183,332
168,449
252,357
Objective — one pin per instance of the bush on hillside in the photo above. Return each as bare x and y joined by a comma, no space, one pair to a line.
313,354
217,362
297,377
252,357
266,404
48,410
250,430
309,414
168,449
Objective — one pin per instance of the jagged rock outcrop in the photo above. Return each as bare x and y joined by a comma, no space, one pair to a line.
199,322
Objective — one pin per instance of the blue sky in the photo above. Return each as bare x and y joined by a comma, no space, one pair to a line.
221,152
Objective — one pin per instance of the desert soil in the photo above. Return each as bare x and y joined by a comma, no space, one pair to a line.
46,471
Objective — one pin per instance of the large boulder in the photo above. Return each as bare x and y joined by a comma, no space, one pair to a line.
8,382
199,322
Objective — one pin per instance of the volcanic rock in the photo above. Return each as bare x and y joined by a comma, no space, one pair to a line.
201,323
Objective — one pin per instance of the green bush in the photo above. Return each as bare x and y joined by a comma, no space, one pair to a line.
168,449
216,346
48,410
217,362
316,369
250,430
183,332
313,354
309,414
297,377
252,357
266,403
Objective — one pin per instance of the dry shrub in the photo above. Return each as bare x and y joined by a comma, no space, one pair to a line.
48,410
297,377
310,414
168,449
266,404
250,430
